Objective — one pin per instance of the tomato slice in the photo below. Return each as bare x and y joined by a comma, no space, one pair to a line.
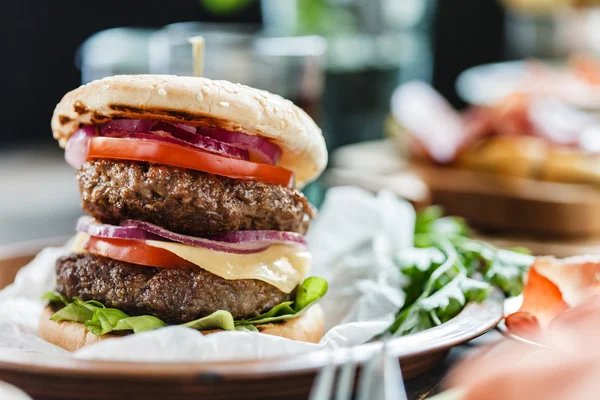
135,252
184,157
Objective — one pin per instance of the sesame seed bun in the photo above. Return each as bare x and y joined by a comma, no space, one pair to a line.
72,336
198,102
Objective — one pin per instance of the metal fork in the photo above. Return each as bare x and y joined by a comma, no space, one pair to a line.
380,379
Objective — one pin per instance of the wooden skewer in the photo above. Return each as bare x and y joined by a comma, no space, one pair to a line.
198,52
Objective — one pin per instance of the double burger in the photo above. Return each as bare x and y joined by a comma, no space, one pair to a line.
194,216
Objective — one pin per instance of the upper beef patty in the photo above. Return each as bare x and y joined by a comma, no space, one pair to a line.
173,295
189,202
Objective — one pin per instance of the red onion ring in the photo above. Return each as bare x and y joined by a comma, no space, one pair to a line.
184,127
77,146
259,148
209,144
120,126
173,133
231,144
262,236
90,226
242,242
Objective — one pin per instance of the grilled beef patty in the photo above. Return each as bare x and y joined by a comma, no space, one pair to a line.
173,295
188,202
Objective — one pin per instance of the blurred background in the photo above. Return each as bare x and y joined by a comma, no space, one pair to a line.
341,60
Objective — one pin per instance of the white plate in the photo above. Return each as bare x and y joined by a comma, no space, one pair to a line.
489,83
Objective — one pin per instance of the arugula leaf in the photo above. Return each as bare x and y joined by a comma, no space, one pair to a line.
507,271
101,320
431,220
417,264
447,302
426,217
502,268
411,320
408,318
441,306
417,261
441,270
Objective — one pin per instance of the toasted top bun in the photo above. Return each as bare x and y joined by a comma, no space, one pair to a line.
72,336
198,102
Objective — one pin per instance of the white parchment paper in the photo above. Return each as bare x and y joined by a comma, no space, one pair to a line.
352,242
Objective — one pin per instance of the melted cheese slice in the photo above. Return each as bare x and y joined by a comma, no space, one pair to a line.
282,266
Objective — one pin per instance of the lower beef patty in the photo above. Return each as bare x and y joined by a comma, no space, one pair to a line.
173,295
189,202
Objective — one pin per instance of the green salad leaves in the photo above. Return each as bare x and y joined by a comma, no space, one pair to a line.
447,269
101,320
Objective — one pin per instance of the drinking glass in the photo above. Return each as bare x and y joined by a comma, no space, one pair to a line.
289,66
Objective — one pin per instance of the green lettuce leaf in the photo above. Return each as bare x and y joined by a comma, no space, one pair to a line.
101,320
104,320
276,313
311,290
218,320
139,324
77,310
73,312
246,328
55,297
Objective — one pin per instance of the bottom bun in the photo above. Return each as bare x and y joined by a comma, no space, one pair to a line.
72,336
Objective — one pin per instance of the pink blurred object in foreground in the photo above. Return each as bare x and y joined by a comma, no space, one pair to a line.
567,369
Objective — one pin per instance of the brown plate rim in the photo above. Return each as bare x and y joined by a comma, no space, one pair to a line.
513,336
475,320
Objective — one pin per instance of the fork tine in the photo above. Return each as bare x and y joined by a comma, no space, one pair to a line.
381,377
345,383
366,377
392,380
321,389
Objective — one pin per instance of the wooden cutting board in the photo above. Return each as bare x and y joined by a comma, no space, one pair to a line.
490,202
